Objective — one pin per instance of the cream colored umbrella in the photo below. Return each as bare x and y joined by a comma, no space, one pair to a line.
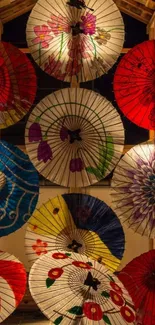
75,40
74,137
73,289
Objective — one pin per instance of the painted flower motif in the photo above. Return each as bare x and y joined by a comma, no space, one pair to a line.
43,36
103,37
92,311
88,24
80,47
116,298
44,151
99,66
59,24
76,165
59,256
63,133
52,65
81,265
141,190
73,67
116,288
35,132
127,314
40,247
55,273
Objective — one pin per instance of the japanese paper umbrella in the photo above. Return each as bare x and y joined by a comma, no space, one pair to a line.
17,85
72,40
140,273
73,289
134,85
19,187
79,223
12,284
133,189
74,137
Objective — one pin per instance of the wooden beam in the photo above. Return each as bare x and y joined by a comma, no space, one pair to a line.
16,9
27,51
151,27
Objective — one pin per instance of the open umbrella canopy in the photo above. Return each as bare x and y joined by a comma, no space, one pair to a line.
18,85
75,40
19,188
73,289
134,85
74,137
79,223
12,284
133,189
138,278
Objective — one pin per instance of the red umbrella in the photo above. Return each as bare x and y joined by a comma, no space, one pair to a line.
17,85
134,85
138,278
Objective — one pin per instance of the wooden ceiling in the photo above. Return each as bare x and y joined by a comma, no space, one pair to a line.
139,9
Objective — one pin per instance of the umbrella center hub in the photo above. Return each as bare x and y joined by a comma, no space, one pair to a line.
76,29
92,282
74,135
74,246
2,180
150,280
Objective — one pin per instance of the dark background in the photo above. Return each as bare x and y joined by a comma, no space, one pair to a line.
14,32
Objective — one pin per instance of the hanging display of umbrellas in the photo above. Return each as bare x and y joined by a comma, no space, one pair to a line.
72,287
75,40
12,284
138,278
19,188
133,189
76,222
134,85
18,85
74,137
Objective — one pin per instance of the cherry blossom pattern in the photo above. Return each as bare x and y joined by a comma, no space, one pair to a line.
43,36
127,314
81,265
88,24
92,311
59,24
40,247
55,273
53,67
60,256
116,298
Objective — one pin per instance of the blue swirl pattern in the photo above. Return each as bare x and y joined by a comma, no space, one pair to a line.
19,196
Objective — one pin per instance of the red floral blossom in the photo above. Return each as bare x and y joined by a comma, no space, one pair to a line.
55,273
59,256
43,36
59,24
116,288
116,298
53,67
40,247
81,264
88,24
92,311
73,67
80,48
127,314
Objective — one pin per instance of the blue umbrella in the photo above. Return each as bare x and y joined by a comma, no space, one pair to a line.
19,188
95,215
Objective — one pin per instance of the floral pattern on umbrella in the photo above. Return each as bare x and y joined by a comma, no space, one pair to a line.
101,31
134,189
86,291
